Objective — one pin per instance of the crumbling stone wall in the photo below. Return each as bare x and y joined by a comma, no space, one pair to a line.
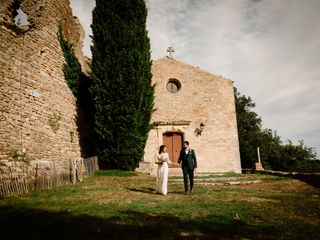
37,109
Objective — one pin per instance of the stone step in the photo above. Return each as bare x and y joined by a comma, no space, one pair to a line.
213,183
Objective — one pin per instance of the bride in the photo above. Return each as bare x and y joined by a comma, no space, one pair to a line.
163,170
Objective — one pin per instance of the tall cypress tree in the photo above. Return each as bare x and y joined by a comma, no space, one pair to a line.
121,90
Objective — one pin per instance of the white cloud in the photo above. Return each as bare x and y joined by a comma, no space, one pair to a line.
270,48
83,10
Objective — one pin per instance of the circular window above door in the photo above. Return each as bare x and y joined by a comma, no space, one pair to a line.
173,85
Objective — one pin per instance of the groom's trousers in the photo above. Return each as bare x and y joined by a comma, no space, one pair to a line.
187,173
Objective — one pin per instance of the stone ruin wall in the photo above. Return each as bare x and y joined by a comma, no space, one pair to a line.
37,108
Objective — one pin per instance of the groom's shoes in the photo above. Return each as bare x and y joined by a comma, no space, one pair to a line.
186,192
190,191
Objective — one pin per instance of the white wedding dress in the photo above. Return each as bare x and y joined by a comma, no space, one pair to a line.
162,174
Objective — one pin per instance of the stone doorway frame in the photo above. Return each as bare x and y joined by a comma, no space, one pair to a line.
163,127
173,148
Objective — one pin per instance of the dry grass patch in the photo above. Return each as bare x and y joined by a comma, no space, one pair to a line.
117,205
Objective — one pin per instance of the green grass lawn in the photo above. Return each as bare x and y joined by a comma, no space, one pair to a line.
122,205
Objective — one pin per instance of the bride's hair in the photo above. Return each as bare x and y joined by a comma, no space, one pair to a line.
161,148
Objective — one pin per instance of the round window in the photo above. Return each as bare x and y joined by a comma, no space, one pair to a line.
173,85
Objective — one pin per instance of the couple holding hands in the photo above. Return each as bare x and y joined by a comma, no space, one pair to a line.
187,161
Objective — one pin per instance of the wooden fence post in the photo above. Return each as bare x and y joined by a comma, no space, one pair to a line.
36,178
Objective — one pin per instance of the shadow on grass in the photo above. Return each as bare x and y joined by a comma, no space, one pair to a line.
37,224
153,191
312,180
115,173
143,190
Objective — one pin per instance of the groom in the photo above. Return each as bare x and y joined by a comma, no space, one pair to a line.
188,162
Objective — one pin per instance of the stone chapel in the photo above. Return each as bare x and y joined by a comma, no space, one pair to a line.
197,106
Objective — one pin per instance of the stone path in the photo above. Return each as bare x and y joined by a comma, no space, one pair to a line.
216,181
205,179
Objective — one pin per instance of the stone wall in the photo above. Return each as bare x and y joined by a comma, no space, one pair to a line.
310,178
203,98
37,109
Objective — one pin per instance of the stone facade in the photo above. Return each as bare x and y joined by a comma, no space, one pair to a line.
37,109
201,98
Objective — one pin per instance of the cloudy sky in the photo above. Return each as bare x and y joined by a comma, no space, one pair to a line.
269,48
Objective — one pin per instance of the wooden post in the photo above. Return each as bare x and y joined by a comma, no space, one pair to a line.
3,187
97,164
5,182
15,179
73,176
258,165
36,177
13,182
81,169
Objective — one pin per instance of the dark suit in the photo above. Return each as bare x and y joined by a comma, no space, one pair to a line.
188,164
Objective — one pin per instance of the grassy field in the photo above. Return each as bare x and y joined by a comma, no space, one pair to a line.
121,205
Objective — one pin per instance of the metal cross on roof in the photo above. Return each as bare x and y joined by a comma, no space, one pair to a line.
170,50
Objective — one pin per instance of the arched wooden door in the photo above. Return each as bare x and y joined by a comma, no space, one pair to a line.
173,141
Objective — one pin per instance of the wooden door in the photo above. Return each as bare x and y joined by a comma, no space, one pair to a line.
173,141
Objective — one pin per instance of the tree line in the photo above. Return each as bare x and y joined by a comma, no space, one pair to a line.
275,154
